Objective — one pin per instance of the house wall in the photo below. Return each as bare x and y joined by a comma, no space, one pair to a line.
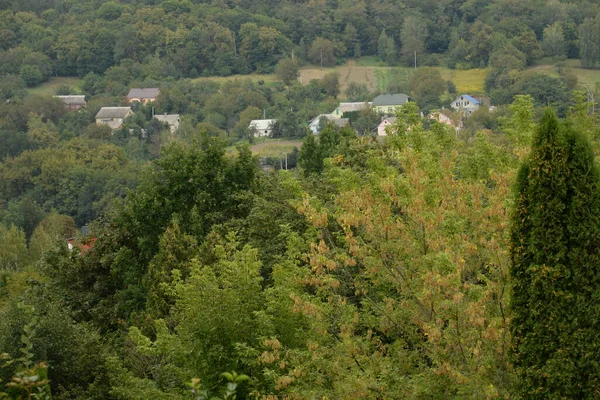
381,131
391,109
142,100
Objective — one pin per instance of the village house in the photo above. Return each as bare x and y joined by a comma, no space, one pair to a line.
465,104
262,127
382,129
73,102
315,124
349,107
387,103
142,95
113,116
172,119
443,117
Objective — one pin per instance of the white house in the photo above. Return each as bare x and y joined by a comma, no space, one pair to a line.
172,119
466,104
113,116
443,117
315,124
382,129
349,107
262,127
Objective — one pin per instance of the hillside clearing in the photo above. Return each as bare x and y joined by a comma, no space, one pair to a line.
49,88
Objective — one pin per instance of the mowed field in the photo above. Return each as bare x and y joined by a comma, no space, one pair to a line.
467,81
49,88
585,77
275,148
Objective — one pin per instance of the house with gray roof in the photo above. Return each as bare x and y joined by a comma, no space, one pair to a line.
113,116
143,95
172,119
349,107
72,102
387,103
315,125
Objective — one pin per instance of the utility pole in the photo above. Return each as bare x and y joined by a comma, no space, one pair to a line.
415,59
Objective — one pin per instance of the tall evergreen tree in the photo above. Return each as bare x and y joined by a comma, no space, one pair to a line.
555,271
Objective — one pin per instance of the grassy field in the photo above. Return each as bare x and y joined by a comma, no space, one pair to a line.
270,147
49,88
369,70
254,77
275,148
585,77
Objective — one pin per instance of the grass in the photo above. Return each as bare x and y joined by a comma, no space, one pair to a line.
377,76
268,147
585,76
466,81
254,77
369,61
49,88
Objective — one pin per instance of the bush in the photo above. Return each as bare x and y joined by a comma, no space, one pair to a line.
31,75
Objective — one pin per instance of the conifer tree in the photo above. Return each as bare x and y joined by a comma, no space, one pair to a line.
555,248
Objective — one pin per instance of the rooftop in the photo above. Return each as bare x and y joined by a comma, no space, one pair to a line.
72,99
262,124
113,112
143,93
356,106
469,98
396,99
170,119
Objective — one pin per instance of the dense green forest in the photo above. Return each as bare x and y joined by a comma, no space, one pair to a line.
182,38
432,263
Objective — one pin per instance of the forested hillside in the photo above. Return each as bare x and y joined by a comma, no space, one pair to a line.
182,38
442,248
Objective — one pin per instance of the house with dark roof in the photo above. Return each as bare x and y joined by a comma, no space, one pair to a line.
142,95
466,104
387,103
113,116
72,102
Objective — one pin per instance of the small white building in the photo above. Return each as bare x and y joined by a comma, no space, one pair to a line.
113,116
315,124
172,119
262,127
382,129
466,104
